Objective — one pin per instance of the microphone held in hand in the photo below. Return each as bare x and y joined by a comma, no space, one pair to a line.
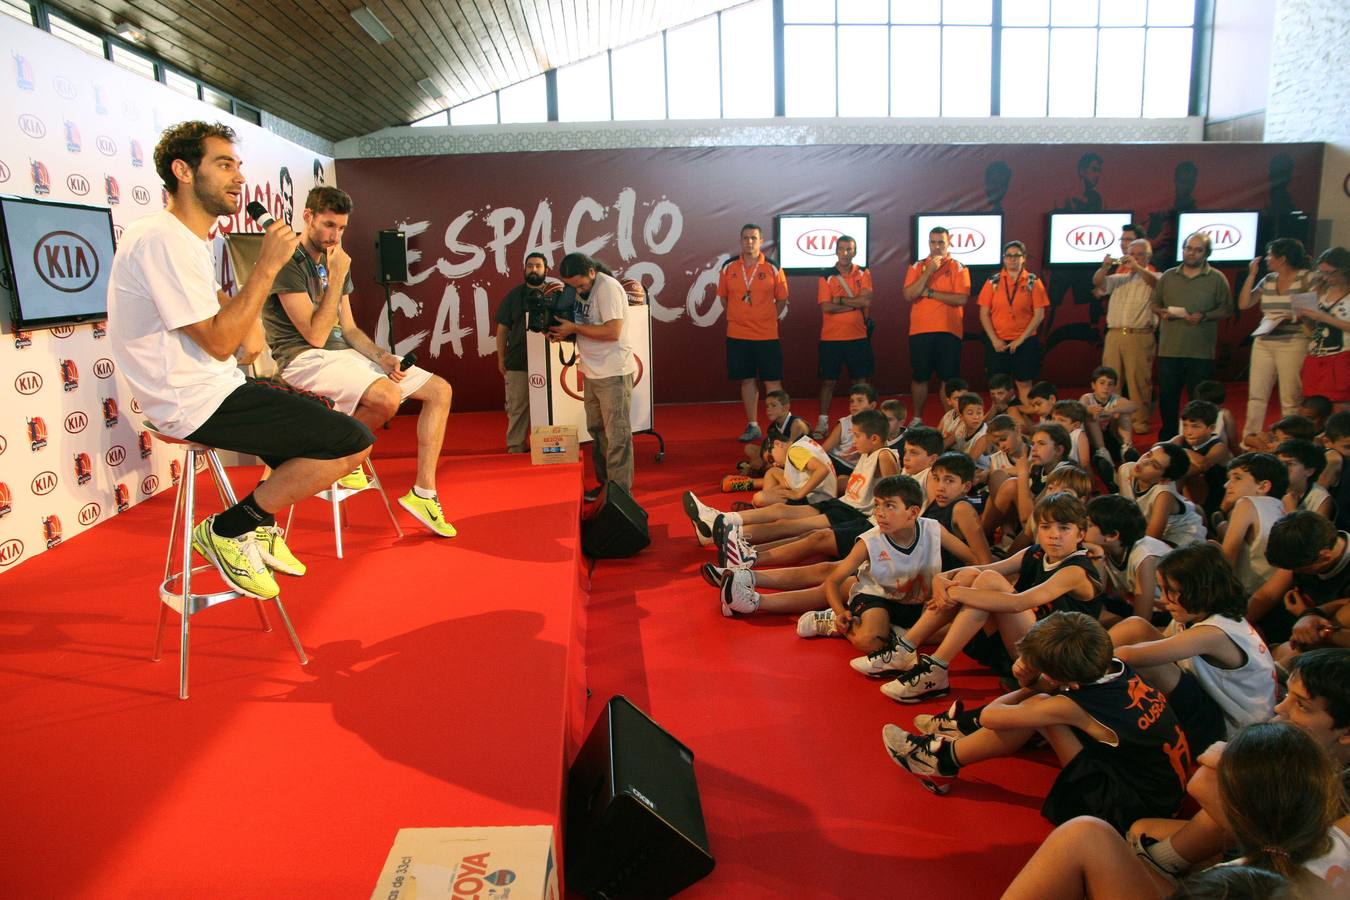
258,213
407,362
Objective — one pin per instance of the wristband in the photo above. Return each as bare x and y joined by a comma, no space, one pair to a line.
1315,611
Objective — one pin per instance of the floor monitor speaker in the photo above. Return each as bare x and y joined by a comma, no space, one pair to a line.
614,526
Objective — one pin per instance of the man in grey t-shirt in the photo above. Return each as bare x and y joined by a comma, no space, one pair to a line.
317,347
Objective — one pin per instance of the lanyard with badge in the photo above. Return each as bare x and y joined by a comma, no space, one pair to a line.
748,273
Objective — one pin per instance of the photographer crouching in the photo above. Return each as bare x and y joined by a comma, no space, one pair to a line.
605,357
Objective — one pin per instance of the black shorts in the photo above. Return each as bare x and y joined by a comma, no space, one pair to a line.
856,354
276,425
935,351
1198,713
754,359
839,512
1023,364
846,534
902,614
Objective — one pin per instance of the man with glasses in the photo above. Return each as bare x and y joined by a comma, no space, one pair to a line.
1191,299
1131,322
318,348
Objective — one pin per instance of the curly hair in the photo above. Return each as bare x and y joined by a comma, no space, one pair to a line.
186,141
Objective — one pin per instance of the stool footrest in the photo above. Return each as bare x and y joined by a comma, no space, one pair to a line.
171,593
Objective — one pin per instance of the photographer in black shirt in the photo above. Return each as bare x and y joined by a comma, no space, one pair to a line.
512,360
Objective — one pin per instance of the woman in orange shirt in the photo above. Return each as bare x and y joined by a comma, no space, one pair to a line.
1012,305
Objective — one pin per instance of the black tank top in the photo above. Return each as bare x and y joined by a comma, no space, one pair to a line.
1033,572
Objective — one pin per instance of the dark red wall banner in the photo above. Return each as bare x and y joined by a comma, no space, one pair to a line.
672,216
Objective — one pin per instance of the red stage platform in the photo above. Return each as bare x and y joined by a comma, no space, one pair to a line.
445,688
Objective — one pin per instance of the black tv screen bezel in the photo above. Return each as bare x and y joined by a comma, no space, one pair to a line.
17,319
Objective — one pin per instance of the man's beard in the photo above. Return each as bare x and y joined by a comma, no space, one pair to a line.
533,280
216,204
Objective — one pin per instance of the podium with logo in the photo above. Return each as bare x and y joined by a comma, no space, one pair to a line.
556,388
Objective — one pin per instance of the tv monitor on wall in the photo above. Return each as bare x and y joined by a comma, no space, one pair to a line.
805,241
57,257
976,238
1084,238
1233,233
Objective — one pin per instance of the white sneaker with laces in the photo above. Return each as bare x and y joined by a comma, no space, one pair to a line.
918,756
925,681
887,661
701,516
821,623
738,593
943,723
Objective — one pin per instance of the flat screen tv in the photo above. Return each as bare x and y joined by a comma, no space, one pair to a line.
805,241
57,257
1233,233
977,238
1084,238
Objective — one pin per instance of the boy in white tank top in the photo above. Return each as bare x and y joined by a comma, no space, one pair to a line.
1256,482
1305,461
1126,557
1150,482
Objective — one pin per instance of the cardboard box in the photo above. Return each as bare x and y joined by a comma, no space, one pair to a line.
486,863
553,444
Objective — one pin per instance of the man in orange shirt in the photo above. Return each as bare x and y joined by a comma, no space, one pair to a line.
1012,305
754,293
939,287
844,295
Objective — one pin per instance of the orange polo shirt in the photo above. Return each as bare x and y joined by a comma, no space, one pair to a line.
844,326
928,315
1011,306
756,320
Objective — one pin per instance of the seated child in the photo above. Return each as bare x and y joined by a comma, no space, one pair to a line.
1208,455
1304,462
948,486
1128,561
1072,416
1227,430
1108,423
923,445
846,517
1316,409
801,473
1002,393
1215,669
952,388
969,421
1283,429
783,425
1256,482
1054,573
992,449
1334,477
895,412
1122,752
1035,409
839,443
1068,477
1009,506
1313,561
1150,482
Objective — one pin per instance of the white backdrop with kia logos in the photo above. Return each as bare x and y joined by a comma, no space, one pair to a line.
555,389
78,129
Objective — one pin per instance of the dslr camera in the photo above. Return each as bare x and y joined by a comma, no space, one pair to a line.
543,311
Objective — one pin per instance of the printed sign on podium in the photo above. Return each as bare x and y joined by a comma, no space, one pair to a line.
556,389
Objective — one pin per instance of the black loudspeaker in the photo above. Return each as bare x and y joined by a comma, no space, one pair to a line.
615,526
392,247
634,821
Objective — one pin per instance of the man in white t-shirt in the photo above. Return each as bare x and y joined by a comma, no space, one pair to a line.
178,339
605,357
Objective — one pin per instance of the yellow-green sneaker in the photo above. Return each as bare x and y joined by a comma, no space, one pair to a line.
356,480
428,512
272,547
237,559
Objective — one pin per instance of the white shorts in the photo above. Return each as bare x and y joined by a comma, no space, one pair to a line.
344,375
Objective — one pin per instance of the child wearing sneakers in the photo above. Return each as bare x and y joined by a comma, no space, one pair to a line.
1126,557
1256,482
839,443
801,473
948,485
1210,662
1150,482
1122,752
783,425
1108,422
1304,460
1054,573
1208,455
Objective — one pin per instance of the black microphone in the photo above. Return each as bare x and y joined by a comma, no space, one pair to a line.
407,362
258,213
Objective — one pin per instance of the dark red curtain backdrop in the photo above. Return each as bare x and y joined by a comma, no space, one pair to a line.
673,215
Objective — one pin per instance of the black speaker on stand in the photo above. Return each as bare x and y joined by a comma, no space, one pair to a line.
614,526
634,821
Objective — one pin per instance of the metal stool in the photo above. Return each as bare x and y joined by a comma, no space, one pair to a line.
336,493
175,591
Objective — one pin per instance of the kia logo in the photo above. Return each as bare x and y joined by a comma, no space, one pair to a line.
78,185
64,86
116,455
103,368
4,445
1222,235
89,513
149,484
63,331
76,422
140,195
66,261
32,126
106,145
536,380
10,551
1090,237
818,241
965,240
28,383
4,172
135,407
44,483
117,233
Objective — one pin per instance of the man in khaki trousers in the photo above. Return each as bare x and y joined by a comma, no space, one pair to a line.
1131,324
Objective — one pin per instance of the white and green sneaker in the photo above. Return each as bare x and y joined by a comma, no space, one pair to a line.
237,559
428,512
272,547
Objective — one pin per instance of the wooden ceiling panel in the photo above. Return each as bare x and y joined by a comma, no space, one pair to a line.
310,63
